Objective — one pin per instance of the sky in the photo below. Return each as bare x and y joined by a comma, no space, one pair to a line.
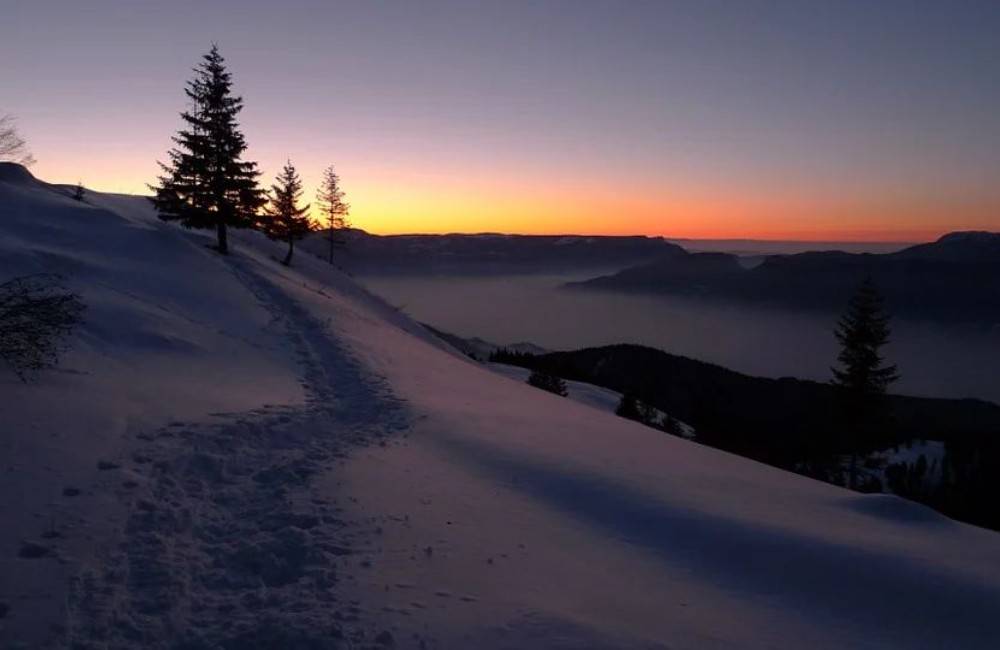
837,120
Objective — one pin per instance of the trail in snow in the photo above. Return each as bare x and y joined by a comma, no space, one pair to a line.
228,544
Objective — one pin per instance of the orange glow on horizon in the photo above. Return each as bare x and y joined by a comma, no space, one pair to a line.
394,202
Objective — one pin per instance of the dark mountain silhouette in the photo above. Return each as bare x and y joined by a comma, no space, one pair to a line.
963,247
956,278
491,253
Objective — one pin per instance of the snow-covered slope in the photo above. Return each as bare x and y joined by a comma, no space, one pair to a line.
236,454
596,397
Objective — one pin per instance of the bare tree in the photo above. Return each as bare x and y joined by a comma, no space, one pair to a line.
36,315
13,148
332,208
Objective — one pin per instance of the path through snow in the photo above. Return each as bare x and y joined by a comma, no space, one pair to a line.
228,544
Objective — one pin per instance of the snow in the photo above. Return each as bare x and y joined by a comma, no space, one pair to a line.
602,399
273,457
481,349
617,535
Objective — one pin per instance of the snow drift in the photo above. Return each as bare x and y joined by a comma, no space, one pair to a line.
236,454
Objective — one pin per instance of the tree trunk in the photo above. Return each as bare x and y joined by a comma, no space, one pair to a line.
331,244
291,249
223,238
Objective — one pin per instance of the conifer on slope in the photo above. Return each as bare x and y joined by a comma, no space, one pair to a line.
207,184
333,208
284,219
863,376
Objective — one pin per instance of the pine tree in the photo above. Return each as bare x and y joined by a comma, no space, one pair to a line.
207,183
628,407
672,425
647,414
284,219
863,376
545,381
332,208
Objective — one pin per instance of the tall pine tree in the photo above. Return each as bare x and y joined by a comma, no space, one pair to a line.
863,376
284,219
332,208
207,183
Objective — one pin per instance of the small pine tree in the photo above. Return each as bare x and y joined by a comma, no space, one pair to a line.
672,425
647,414
284,219
332,208
628,407
78,192
545,381
207,183
863,376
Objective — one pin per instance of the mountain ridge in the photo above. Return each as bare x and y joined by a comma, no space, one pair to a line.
956,278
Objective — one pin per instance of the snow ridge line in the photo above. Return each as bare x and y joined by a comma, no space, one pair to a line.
228,544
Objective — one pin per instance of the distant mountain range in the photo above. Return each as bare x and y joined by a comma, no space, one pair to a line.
481,349
489,253
956,278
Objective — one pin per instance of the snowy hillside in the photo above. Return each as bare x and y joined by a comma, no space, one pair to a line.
597,397
239,455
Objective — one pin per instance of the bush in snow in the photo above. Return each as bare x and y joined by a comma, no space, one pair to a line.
548,382
36,315
13,148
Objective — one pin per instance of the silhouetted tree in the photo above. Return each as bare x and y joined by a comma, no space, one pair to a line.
332,208
647,414
36,314
672,425
628,407
284,219
13,148
78,192
207,183
548,382
863,376
511,357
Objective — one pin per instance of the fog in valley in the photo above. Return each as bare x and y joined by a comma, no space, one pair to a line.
935,360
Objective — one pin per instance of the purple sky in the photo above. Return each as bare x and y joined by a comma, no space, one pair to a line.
827,119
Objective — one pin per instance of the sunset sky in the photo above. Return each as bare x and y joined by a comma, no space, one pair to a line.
778,120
